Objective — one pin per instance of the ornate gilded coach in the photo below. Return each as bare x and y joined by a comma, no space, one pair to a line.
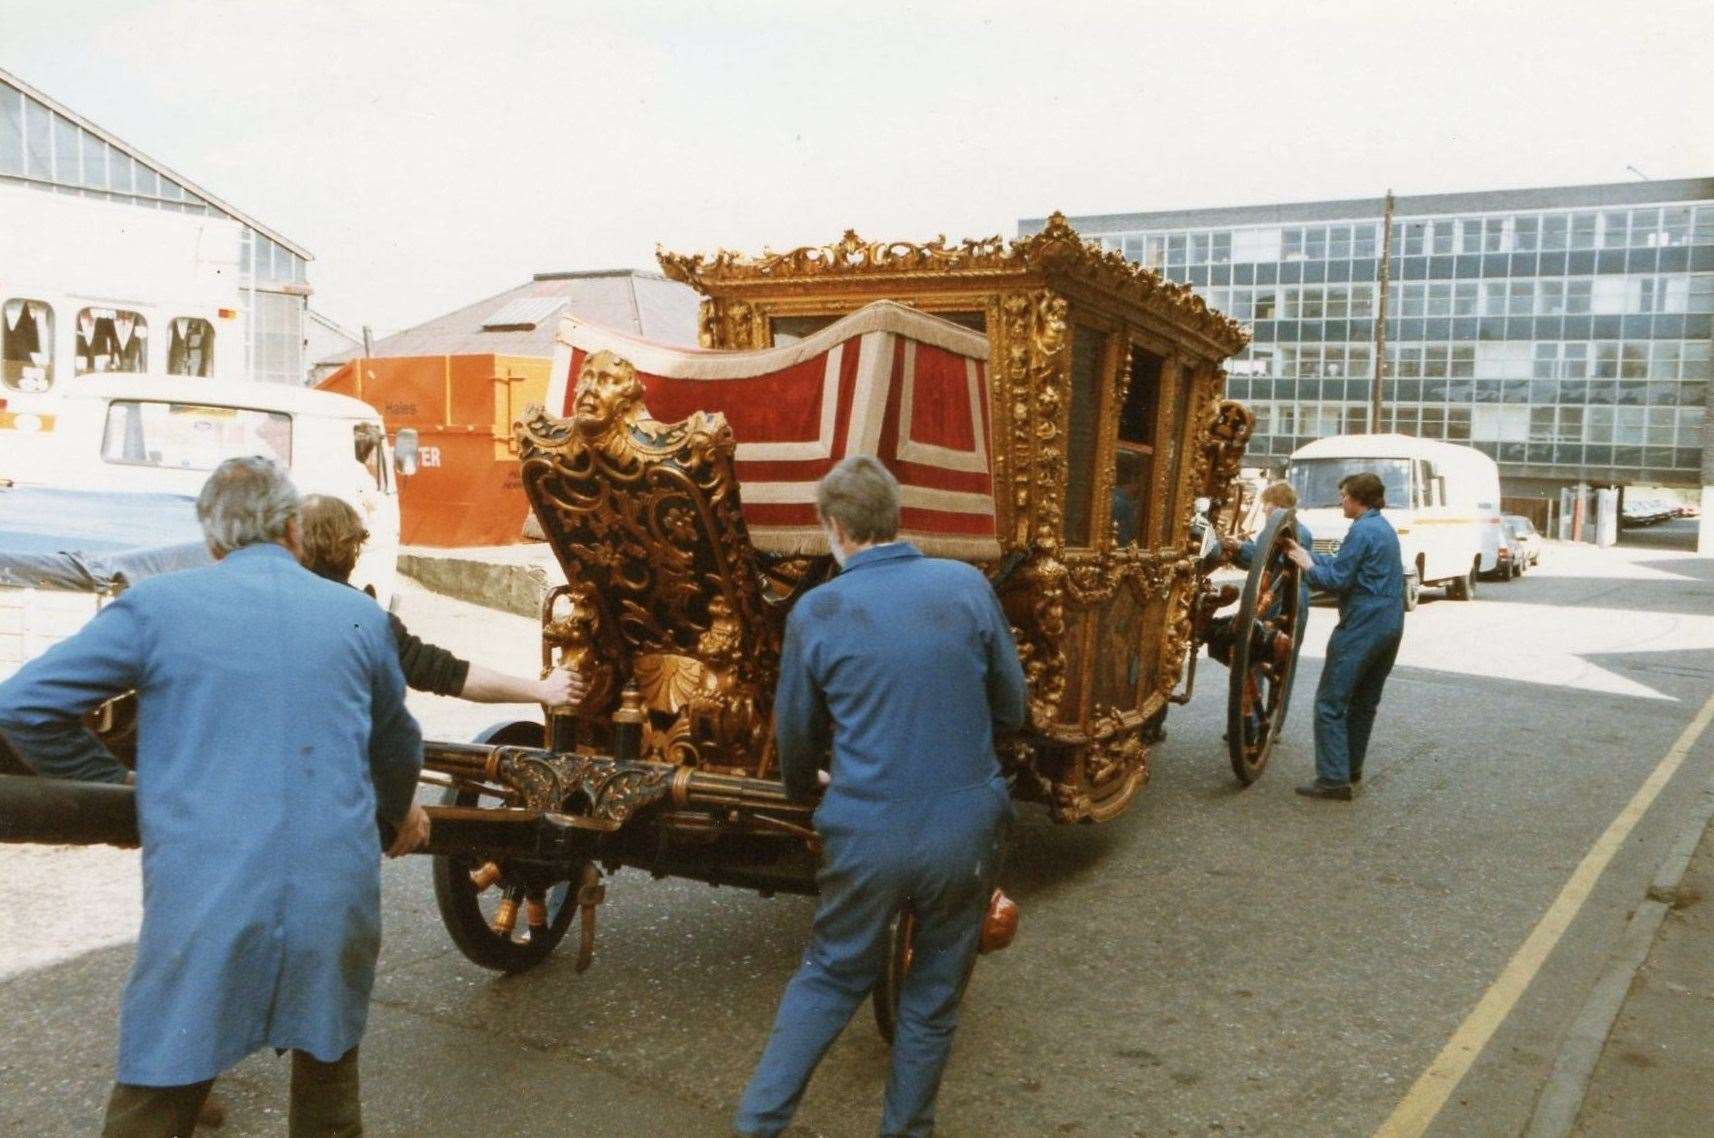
1099,370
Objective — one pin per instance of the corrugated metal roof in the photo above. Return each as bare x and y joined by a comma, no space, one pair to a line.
643,304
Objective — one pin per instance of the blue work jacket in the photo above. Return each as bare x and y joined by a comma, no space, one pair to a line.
271,728
1247,554
905,665
1367,575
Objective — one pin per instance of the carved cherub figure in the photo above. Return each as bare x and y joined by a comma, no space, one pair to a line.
576,634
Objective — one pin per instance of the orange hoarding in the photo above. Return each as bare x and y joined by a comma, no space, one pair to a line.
466,490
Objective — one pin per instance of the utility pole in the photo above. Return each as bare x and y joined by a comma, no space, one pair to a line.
1384,278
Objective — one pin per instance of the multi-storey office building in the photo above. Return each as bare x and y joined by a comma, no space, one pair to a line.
1564,331
118,247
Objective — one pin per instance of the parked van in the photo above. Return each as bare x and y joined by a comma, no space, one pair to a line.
1442,498
156,438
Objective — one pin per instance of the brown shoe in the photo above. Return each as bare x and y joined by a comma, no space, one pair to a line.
1338,792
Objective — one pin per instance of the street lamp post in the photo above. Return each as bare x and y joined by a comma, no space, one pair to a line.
1384,278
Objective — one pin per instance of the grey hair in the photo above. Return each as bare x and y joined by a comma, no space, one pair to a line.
863,496
246,501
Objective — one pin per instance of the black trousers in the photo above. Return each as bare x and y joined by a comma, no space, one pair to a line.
324,1103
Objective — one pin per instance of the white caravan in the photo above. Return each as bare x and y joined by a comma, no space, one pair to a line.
1442,498
93,288
162,435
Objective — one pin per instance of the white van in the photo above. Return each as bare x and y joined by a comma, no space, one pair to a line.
1442,498
160,436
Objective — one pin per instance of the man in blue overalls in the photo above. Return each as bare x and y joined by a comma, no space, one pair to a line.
905,665
1367,576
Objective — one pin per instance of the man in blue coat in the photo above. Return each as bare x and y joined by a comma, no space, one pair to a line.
1367,577
271,731
905,666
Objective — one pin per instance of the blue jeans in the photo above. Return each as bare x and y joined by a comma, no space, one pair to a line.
1358,661
941,857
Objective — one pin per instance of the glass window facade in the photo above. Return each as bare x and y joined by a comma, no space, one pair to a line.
1571,342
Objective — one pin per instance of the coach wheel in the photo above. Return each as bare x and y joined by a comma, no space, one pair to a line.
507,918
886,995
1266,635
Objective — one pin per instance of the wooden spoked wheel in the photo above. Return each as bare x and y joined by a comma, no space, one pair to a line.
885,997
1266,635
501,916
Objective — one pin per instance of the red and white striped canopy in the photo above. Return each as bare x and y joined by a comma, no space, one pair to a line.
887,381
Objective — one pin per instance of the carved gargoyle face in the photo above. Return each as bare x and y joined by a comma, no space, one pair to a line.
608,393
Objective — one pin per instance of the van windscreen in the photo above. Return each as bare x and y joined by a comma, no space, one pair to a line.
192,436
1316,480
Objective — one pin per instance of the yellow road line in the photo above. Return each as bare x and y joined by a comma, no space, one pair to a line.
1431,1090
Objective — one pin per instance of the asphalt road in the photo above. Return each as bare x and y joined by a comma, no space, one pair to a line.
1217,961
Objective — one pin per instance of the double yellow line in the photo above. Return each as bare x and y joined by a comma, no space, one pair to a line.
1431,1090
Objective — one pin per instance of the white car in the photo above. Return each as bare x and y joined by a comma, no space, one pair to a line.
1527,536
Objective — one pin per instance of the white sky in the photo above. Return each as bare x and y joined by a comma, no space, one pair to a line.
432,152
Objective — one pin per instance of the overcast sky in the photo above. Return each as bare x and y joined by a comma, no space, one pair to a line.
432,152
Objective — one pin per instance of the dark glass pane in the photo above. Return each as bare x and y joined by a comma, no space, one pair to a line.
1464,328
1267,274
1416,268
1633,394
1362,331
1410,390
1663,393
1365,269
1487,390
1314,272
1442,268
1579,327
1434,390
1568,453
1641,260
1522,264
1610,261
1083,432
1309,331
1495,265
1512,452
1551,265
1220,274
1264,332
1538,452
1637,326
1459,390
1291,272
1526,391
11,130
1658,458
1598,455
1669,326
1627,456
1574,391
1339,270
1244,273
1411,329
1548,327
1675,259
1606,327
1702,258
1199,274
1491,328
1697,326
1580,264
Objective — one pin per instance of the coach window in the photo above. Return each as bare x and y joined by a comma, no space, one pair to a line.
191,351
27,345
1136,451
1088,352
111,340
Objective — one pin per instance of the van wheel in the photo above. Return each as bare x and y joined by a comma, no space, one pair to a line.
1464,588
1413,591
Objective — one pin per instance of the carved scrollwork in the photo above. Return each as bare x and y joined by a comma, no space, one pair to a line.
646,521
1057,247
